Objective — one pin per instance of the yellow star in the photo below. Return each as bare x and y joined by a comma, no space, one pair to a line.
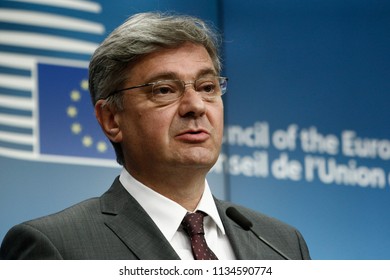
87,141
75,95
101,146
84,84
72,111
76,128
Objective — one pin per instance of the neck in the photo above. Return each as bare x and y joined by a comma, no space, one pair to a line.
184,188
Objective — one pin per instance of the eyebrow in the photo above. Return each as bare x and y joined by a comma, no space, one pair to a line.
173,75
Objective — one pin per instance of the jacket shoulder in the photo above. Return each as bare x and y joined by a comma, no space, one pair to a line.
84,210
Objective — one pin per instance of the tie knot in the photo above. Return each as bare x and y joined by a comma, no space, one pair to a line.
193,223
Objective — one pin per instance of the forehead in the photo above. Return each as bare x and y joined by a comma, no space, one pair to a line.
187,61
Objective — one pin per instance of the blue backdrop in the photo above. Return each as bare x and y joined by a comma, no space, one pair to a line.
306,138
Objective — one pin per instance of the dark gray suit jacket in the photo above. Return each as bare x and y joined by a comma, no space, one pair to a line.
115,226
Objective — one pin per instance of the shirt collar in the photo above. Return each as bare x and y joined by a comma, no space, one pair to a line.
166,213
207,205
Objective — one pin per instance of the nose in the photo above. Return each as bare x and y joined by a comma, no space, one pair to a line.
191,103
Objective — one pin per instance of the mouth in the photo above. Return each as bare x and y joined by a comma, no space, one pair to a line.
193,136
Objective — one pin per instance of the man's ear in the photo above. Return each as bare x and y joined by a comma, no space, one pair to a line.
106,116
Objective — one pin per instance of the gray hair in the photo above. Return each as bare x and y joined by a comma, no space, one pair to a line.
139,35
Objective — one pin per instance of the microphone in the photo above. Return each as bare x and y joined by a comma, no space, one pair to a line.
245,224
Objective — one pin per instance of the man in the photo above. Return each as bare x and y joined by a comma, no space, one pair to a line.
156,85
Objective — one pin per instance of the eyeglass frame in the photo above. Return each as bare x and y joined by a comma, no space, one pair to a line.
184,83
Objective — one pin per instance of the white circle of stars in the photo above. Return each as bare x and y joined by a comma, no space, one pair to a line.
76,127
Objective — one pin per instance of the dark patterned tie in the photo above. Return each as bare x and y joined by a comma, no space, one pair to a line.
193,226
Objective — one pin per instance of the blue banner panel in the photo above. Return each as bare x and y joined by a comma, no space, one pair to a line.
307,132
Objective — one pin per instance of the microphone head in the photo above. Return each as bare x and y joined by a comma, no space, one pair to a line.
241,220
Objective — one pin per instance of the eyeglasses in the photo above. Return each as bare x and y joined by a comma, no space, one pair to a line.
165,91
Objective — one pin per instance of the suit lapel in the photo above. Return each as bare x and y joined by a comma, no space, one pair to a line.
128,220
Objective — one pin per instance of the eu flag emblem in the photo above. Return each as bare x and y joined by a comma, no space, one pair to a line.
67,124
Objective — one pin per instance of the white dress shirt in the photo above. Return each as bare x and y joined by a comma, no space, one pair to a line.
167,215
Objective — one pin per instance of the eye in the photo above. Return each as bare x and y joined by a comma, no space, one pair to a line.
165,88
206,87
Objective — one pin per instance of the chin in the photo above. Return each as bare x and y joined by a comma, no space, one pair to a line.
205,161
197,156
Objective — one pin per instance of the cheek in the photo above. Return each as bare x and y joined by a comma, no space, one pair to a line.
153,126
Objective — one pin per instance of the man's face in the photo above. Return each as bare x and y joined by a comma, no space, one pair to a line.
165,139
